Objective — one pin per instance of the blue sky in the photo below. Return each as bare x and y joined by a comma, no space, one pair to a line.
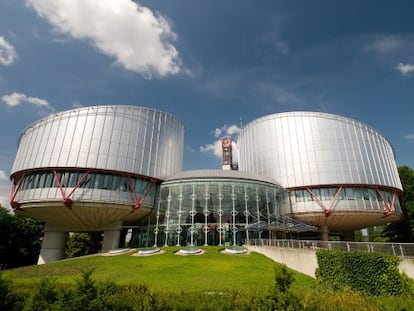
208,63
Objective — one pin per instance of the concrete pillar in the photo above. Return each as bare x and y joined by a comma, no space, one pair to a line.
324,233
111,238
53,244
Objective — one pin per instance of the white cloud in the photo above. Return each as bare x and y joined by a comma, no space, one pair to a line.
3,175
233,130
4,190
16,99
215,147
385,44
409,136
7,52
405,69
218,132
226,130
76,104
136,37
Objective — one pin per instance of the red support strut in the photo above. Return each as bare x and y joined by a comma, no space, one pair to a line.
139,201
388,208
326,210
67,201
13,192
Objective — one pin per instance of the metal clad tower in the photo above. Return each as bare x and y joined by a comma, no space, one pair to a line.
226,145
340,173
94,168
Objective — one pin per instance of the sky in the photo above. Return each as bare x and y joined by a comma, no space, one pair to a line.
216,65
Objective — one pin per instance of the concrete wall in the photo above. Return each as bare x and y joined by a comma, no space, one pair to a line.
407,267
304,260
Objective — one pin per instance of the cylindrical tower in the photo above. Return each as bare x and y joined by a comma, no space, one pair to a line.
88,168
340,173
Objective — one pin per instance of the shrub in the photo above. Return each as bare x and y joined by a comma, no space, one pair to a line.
45,296
280,297
8,300
373,273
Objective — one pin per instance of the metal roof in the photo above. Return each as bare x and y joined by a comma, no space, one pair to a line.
282,223
220,174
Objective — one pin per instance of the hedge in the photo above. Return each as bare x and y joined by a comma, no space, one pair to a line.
373,273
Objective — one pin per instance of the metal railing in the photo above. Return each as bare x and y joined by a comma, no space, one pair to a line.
396,249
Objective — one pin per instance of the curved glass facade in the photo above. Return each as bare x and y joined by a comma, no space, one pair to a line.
215,210
348,198
96,186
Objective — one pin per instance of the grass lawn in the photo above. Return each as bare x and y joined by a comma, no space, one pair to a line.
212,271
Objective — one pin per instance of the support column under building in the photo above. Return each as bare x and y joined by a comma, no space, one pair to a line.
324,233
111,238
53,244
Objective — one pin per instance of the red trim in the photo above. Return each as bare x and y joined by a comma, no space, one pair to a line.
67,201
13,192
315,198
389,208
62,192
327,210
67,198
369,186
139,201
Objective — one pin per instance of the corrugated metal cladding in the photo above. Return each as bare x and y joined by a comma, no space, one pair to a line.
310,148
120,138
218,174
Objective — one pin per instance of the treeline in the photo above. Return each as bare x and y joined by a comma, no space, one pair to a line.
19,240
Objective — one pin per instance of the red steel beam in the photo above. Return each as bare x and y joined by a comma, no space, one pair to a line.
13,192
326,210
80,182
388,208
67,201
138,200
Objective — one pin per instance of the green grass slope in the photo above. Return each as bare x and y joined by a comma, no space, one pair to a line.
213,271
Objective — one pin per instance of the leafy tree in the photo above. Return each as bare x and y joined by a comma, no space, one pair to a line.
403,231
19,240
80,244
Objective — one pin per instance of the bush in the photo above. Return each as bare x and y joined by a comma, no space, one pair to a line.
45,296
373,273
8,300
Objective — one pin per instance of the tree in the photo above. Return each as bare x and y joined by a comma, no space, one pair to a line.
403,231
80,244
20,240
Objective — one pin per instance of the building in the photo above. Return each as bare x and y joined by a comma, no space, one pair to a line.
94,169
108,168
340,174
